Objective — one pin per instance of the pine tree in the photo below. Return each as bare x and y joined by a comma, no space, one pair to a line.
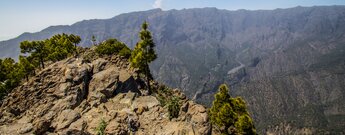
26,67
93,40
56,48
12,76
2,71
76,40
144,53
230,115
37,49
62,46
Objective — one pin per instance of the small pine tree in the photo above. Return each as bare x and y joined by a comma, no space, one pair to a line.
37,49
75,40
2,71
61,46
144,53
11,78
26,67
230,115
93,40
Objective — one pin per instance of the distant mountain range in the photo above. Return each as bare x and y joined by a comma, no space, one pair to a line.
289,64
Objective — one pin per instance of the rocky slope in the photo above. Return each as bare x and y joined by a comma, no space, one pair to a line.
74,96
288,64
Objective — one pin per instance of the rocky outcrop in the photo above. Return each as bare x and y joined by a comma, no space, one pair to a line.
74,96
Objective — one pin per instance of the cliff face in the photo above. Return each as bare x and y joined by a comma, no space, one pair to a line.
303,85
74,97
288,64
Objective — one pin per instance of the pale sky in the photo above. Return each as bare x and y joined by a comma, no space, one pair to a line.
19,16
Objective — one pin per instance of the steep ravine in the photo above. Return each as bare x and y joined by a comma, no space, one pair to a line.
235,69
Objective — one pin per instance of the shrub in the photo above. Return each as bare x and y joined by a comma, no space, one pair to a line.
101,127
173,107
125,52
3,91
163,94
167,98
11,75
113,46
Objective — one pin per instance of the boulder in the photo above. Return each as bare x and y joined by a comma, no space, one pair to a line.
195,108
62,89
140,109
78,125
99,65
199,119
184,107
142,101
65,119
41,126
103,85
76,132
26,128
116,128
128,98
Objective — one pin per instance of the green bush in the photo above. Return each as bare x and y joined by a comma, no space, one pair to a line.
125,52
11,75
113,46
166,98
161,99
3,91
101,127
230,115
173,107
163,94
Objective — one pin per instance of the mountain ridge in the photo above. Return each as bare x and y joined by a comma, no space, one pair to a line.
158,9
294,62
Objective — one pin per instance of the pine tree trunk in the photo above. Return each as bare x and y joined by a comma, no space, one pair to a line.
41,59
76,50
148,78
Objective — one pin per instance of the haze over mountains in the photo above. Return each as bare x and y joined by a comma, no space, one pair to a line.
289,64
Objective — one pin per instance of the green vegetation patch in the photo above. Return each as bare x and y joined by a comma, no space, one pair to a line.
230,115
113,46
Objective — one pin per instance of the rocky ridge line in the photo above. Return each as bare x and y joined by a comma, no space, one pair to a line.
74,95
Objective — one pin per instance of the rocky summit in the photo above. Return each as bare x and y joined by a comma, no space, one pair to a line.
80,95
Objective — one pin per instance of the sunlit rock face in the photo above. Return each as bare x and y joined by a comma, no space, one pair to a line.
73,97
